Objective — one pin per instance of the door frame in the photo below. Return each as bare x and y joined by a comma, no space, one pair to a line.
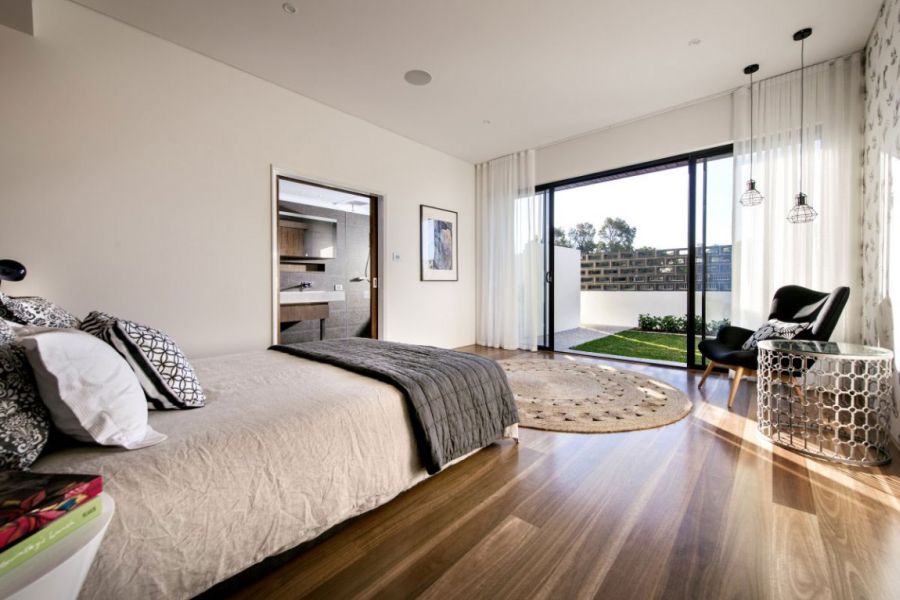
376,241
691,158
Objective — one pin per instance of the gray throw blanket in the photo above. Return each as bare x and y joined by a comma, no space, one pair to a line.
458,402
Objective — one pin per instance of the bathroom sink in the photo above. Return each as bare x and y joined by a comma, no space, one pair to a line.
311,296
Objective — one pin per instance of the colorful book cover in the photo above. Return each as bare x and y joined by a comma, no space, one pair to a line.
30,501
49,535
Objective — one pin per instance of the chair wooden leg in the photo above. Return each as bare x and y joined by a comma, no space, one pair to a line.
738,375
706,373
795,388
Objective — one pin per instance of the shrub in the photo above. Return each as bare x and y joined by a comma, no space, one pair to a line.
648,322
713,327
673,324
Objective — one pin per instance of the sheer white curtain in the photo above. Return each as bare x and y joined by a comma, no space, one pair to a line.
510,253
770,252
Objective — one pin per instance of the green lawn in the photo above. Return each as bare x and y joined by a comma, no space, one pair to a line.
640,344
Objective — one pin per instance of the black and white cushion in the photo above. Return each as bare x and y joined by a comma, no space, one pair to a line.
33,310
97,324
167,378
24,421
775,329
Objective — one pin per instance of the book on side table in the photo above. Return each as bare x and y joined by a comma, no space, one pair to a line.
37,510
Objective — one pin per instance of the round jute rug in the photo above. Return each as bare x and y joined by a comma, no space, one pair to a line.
578,397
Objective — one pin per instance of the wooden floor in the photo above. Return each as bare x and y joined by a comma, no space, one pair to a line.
703,508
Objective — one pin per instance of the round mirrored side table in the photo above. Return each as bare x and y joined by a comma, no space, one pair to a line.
826,399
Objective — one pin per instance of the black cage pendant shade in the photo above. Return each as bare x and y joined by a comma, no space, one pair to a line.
801,212
752,196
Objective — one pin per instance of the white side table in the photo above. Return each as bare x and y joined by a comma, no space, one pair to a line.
58,572
830,400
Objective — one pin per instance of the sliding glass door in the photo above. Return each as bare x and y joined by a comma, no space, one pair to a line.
715,201
639,267
546,335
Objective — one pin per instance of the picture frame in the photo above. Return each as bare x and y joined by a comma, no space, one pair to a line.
438,244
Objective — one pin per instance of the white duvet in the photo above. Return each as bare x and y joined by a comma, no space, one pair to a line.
284,449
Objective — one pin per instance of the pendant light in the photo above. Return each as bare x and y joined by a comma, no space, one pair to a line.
802,212
752,197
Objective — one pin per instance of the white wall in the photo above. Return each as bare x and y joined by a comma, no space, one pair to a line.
623,308
566,288
135,178
703,125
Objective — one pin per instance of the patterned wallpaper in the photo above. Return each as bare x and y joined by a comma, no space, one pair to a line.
881,182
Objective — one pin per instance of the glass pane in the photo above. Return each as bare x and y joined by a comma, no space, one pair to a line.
620,266
700,264
714,261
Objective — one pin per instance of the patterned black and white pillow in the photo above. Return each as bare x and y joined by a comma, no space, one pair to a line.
24,421
34,310
167,377
97,324
775,329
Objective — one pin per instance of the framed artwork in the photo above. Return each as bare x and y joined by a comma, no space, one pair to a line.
439,247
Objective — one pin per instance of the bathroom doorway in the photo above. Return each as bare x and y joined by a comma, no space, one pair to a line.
325,255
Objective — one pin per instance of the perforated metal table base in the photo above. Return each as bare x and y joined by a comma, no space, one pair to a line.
826,399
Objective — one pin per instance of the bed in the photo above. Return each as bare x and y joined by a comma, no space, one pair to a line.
285,449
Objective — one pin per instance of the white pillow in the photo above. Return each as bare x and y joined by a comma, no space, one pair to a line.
91,392
24,330
12,324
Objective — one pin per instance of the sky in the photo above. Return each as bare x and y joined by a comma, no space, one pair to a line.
655,203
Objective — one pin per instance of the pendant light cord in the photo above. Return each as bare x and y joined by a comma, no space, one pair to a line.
802,69
751,126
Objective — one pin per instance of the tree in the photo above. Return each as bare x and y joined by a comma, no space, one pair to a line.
583,237
560,239
616,235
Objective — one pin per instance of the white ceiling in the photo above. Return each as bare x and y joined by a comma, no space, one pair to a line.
538,70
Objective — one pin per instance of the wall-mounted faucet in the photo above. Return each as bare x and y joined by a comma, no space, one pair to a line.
302,285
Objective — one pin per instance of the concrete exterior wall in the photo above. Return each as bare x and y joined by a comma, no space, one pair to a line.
655,270
575,307
567,288
623,308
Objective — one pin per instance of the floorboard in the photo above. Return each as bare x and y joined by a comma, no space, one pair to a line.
702,508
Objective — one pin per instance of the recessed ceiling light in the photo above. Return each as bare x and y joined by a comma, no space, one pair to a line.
289,8
417,77
694,42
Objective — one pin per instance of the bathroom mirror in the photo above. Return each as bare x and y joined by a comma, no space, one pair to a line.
305,236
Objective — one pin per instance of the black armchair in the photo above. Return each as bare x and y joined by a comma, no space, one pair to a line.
792,303
11,270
